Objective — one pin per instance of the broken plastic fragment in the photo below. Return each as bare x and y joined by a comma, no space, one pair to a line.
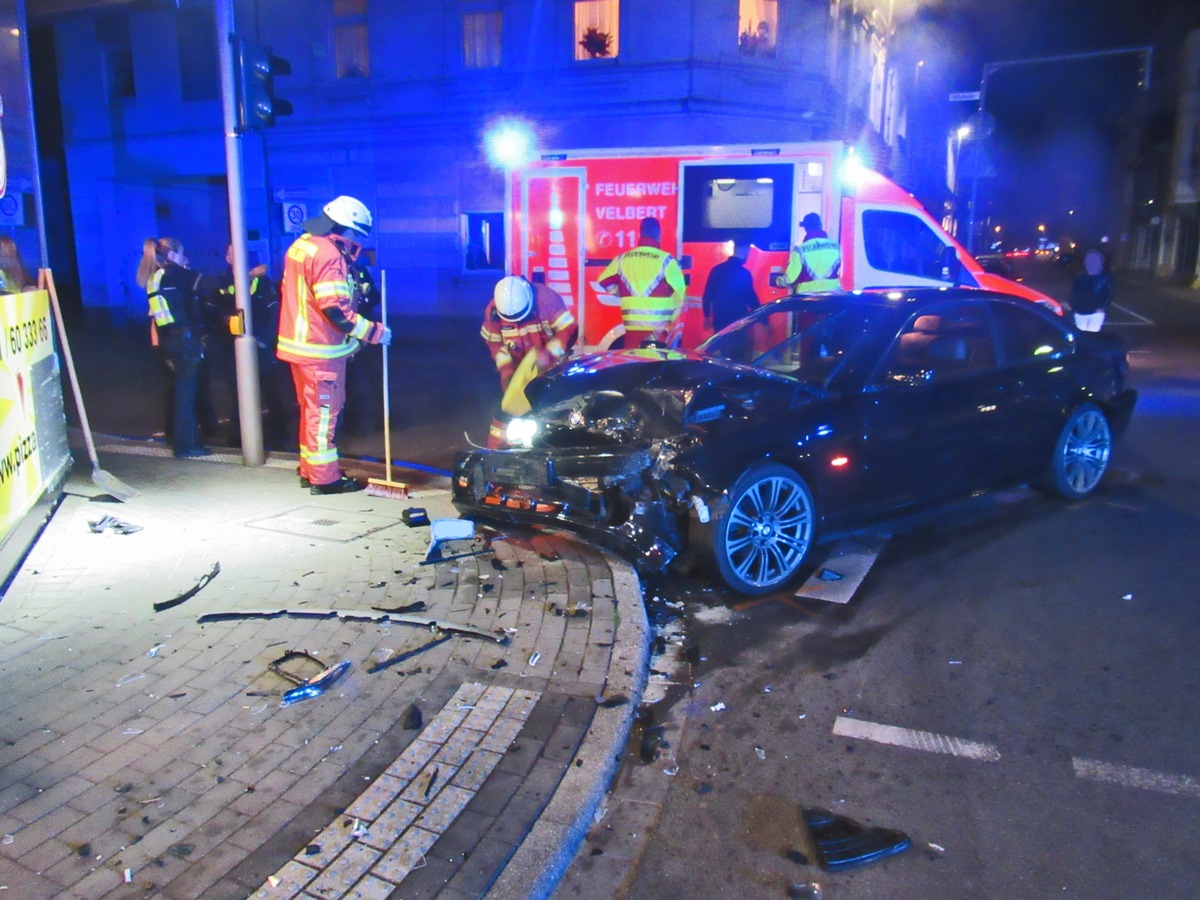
760,752
190,592
841,842
938,847
359,830
273,880
129,876
671,770
1127,597
153,651
717,707
830,575
533,660
317,685
8,839
132,676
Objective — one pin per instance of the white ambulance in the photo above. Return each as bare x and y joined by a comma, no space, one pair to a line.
570,213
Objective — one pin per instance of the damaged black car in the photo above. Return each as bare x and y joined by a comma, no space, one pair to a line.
811,418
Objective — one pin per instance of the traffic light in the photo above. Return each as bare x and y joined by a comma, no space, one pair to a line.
257,105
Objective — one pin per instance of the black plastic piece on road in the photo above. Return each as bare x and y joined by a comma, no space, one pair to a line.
842,843
387,664
415,607
191,592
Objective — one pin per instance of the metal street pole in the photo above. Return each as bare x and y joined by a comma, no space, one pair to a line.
989,68
245,348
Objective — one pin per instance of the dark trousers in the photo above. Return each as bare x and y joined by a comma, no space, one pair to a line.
182,355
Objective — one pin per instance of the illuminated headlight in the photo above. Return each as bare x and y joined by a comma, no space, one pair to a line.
520,432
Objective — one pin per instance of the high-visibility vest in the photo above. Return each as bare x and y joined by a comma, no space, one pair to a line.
815,265
650,285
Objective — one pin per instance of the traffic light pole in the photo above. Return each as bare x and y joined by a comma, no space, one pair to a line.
1146,52
245,345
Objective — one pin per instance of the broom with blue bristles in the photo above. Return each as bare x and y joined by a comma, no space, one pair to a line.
385,487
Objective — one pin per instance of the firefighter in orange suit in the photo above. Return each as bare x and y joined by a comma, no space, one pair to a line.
319,328
651,287
520,319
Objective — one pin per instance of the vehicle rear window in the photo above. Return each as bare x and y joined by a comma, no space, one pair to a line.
1025,335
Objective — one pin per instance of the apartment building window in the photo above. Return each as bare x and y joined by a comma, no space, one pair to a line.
758,25
351,57
483,240
112,34
481,39
596,28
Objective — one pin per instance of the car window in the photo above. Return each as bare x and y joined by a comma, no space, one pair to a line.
903,243
806,341
1025,335
940,343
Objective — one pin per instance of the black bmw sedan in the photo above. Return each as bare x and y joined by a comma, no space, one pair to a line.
810,418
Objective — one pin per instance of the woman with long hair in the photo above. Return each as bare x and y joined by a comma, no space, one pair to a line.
176,328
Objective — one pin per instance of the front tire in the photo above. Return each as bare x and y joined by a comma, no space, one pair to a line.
1081,453
766,533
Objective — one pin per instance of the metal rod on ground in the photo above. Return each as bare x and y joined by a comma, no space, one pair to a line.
385,487
108,483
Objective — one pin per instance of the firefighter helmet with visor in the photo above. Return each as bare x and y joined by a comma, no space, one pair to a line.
349,213
513,297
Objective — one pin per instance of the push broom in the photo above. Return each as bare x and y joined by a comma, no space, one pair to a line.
107,482
385,487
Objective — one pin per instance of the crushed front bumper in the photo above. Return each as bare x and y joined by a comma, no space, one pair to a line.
605,494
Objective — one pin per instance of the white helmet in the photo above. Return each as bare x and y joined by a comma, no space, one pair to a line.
513,297
349,213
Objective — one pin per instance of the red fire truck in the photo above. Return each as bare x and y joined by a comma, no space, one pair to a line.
570,213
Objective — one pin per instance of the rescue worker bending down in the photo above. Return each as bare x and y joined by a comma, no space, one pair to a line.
816,264
523,319
319,328
651,287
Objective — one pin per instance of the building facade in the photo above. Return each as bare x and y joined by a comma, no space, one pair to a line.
393,102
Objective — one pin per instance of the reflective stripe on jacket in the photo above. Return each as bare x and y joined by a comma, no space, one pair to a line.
651,287
316,279
815,265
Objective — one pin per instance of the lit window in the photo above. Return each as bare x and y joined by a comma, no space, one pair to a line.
596,28
481,39
351,57
758,22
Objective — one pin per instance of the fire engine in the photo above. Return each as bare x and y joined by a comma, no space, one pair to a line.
570,213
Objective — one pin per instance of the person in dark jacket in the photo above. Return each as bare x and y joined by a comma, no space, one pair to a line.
172,290
278,401
729,292
1091,292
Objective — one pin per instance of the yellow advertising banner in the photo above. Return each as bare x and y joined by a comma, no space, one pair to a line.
25,341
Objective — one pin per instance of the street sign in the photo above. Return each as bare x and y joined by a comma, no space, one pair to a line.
294,213
964,95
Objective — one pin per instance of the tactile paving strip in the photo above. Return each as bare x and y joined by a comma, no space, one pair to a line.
387,831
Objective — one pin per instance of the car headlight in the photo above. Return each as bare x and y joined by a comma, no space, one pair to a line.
520,432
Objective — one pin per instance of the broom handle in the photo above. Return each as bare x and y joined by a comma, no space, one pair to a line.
46,280
387,401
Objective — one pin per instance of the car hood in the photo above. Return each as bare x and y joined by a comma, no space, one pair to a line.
629,395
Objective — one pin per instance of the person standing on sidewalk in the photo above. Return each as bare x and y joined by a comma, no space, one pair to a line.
1091,292
651,287
177,322
319,328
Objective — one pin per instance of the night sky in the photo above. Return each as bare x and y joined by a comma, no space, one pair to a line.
1057,125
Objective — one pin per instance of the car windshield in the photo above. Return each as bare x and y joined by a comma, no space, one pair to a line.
802,341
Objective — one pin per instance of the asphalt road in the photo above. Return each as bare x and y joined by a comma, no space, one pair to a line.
1014,686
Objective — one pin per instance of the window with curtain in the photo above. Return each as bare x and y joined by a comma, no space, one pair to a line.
596,28
481,39
351,57
758,22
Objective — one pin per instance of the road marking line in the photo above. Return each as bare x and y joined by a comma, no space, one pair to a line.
1131,776
914,740
1144,320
